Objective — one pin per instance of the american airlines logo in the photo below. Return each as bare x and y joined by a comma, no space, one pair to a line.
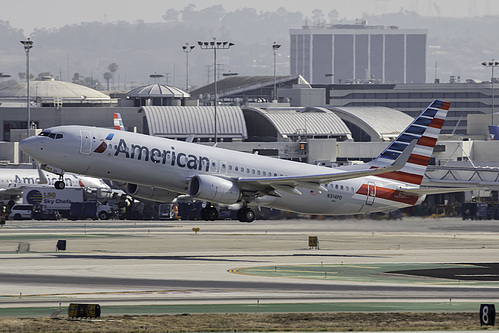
156,155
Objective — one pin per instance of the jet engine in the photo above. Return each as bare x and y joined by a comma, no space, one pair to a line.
150,193
213,188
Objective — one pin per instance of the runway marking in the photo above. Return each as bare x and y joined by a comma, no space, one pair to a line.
367,273
108,293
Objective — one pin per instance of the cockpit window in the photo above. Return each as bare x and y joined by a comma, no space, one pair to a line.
51,135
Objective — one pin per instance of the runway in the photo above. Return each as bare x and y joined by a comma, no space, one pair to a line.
122,263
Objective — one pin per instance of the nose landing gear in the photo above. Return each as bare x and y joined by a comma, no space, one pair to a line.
60,185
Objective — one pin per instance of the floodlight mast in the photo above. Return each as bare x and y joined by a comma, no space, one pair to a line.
28,44
187,49
275,47
492,64
215,45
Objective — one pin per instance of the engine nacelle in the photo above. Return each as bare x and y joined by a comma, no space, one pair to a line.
150,193
213,188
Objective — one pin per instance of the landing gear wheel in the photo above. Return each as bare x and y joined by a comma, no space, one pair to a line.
209,213
59,185
103,215
204,214
246,215
212,213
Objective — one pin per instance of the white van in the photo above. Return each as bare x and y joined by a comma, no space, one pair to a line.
21,212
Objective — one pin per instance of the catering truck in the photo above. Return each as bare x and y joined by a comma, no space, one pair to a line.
50,199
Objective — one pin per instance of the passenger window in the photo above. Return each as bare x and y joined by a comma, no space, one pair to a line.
336,186
341,187
264,173
258,172
236,168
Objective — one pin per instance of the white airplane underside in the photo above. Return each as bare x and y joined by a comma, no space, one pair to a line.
162,169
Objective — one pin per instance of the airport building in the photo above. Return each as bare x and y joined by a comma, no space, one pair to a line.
350,53
466,99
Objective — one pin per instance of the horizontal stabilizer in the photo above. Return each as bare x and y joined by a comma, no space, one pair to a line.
438,190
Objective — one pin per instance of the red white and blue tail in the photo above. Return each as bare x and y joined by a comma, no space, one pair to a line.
425,129
118,122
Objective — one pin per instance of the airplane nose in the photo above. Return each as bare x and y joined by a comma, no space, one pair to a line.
29,145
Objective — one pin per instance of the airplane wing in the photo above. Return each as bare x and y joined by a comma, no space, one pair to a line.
438,190
12,190
268,185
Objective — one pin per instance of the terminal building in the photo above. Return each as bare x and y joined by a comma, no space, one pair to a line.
349,53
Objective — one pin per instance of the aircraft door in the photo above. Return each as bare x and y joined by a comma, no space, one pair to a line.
86,142
371,193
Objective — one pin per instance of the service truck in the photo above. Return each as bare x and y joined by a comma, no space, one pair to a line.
51,199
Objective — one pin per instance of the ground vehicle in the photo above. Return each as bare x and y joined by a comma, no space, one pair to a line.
165,212
62,200
21,212
90,209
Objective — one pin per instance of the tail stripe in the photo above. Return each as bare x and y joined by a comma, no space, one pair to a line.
402,176
437,123
423,121
425,129
426,141
419,159
416,130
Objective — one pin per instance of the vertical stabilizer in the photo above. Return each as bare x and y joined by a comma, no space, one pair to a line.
118,122
425,129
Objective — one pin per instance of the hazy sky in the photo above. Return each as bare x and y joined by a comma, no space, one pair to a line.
31,14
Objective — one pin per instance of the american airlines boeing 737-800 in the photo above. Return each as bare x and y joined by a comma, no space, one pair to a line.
14,181
162,169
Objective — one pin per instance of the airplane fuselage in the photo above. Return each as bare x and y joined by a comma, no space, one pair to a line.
170,164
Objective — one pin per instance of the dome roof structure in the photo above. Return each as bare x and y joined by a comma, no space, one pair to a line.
49,89
157,90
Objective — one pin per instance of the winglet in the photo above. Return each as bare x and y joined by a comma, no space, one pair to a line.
401,160
404,157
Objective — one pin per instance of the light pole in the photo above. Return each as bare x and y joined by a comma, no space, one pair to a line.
491,64
275,47
28,44
187,49
214,45
156,77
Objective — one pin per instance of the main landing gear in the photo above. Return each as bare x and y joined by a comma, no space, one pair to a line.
244,214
